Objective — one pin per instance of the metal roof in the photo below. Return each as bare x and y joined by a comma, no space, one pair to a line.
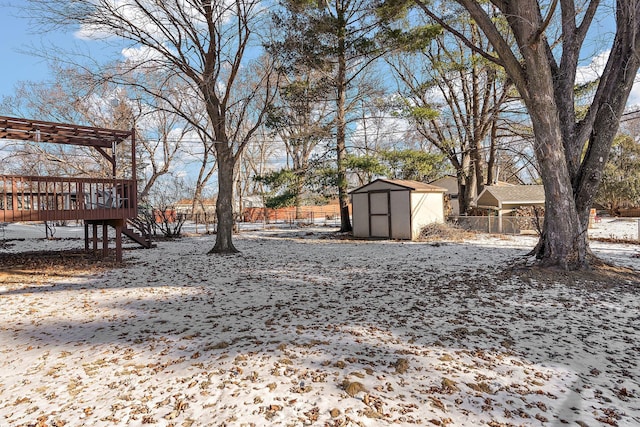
59,133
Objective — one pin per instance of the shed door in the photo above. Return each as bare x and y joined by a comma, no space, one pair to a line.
380,213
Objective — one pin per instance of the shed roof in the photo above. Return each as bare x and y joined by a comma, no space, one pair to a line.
511,195
403,184
59,133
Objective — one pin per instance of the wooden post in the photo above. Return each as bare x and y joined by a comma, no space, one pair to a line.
105,240
95,238
86,237
118,227
114,166
14,198
134,174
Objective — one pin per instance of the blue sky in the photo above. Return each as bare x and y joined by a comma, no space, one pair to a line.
15,35
16,66
18,36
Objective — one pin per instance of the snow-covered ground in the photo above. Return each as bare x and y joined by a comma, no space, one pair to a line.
300,329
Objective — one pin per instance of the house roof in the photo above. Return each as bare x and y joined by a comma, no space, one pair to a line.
404,183
59,133
511,195
448,182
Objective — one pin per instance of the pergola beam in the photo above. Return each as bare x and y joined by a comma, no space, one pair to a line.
58,133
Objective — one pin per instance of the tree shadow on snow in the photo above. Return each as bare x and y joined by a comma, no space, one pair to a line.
368,313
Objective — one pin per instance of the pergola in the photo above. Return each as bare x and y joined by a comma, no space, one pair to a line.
98,201
68,134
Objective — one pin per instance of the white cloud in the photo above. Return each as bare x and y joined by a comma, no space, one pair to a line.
92,33
141,54
594,70
591,72
634,96
110,14
149,18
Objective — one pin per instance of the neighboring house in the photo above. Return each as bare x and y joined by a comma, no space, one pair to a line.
185,206
254,201
450,183
505,200
395,209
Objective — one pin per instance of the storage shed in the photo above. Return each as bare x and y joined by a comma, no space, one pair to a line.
395,209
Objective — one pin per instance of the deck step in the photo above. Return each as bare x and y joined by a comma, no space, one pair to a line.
139,232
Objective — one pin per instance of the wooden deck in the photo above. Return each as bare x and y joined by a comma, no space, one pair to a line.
98,202
39,198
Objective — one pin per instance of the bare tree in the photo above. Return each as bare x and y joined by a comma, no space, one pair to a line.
263,154
162,213
68,98
455,98
203,44
160,131
74,97
571,149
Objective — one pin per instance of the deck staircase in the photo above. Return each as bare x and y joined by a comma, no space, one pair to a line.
139,231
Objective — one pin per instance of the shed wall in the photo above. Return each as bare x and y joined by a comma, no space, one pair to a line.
400,214
360,213
387,211
426,208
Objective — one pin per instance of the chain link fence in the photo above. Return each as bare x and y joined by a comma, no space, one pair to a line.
499,224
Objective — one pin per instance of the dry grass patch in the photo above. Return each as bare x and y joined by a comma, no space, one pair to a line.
42,267
438,231
600,275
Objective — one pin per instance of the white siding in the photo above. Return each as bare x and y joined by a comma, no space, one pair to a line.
426,208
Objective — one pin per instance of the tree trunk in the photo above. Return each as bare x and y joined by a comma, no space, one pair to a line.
570,173
343,196
299,185
341,126
466,184
563,243
224,203
571,154
492,176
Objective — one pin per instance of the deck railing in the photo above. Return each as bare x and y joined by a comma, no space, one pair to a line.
39,198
